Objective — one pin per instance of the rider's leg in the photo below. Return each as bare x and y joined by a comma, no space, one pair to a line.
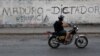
67,36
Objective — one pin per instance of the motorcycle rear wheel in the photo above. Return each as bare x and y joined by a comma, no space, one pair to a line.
53,42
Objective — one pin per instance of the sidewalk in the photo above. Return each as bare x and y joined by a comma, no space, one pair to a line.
83,29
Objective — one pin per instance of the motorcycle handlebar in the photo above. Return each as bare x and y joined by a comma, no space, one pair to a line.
72,25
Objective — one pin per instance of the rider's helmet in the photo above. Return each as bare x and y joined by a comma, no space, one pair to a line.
61,17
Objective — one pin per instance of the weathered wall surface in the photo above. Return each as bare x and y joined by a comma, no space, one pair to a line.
47,11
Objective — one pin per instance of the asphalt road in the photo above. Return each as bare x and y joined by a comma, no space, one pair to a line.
31,45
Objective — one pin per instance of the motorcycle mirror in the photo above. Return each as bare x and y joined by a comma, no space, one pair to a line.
71,24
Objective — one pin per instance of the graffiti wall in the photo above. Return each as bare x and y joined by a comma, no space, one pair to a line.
47,11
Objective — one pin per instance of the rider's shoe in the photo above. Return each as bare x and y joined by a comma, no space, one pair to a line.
65,42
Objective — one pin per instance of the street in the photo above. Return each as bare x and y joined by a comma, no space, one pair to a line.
33,45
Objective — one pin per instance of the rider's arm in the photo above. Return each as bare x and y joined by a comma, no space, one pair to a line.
66,24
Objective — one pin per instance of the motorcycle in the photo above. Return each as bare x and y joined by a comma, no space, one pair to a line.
55,40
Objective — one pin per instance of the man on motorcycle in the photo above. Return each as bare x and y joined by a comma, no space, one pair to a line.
59,28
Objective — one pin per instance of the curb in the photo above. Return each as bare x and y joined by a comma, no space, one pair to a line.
44,33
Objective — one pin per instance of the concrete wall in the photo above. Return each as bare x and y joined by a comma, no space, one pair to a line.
46,11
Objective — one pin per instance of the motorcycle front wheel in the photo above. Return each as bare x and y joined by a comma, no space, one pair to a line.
81,42
53,42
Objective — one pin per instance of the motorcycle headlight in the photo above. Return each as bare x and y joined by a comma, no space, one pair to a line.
77,29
